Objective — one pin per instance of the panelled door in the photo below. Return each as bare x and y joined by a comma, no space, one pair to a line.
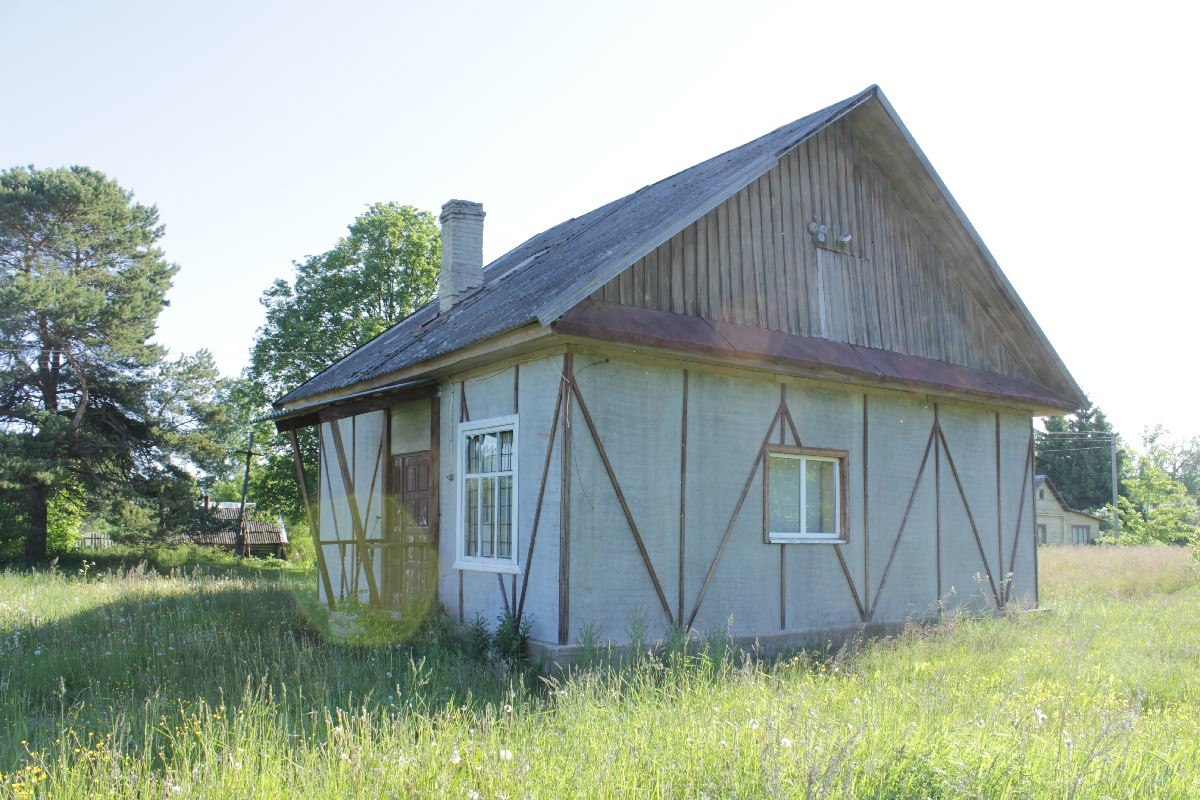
412,545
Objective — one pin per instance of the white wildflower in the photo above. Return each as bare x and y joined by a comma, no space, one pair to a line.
506,755
785,742
753,724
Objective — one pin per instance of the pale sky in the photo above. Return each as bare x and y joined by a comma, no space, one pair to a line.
1065,131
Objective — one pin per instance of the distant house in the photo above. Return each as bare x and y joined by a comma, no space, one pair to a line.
252,538
785,391
1058,523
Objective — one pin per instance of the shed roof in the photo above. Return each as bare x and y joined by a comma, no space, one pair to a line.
554,271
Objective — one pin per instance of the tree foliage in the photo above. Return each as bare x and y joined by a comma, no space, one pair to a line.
89,408
1154,505
384,269
1080,465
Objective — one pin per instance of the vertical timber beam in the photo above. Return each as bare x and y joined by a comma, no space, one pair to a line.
937,501
435,486
682,498
1033,516
463,416
999,516
866,504
516,410
301,478
564,506
766,511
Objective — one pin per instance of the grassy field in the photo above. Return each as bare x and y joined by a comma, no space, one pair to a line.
131,683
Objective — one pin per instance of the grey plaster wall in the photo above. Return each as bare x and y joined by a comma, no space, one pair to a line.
760,589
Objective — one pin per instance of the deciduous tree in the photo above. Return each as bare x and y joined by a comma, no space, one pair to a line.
1154,506
385,268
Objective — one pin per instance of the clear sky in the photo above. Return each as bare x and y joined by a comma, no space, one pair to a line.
261,129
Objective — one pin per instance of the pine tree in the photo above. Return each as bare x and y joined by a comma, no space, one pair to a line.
82,282
1080,465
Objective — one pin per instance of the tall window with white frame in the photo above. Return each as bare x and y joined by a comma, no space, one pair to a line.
487,519
805,495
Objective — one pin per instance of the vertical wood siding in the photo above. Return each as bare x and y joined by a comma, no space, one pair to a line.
751,261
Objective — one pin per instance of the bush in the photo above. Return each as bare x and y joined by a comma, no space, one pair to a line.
512,638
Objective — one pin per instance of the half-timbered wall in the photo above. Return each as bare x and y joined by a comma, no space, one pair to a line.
693,491
662,500
352,456
530,390
751,261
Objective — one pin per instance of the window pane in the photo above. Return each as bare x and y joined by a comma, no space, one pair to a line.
504,519
471,521
821,497
784,495
487,517
472,454
506,451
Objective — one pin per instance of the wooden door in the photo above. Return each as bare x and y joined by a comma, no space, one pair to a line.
411,541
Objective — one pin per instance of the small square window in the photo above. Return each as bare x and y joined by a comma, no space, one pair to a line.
803,495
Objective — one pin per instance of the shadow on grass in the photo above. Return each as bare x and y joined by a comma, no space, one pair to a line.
161,558
164,649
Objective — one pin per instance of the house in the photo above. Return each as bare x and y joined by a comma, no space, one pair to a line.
236,529
1058,523
784,392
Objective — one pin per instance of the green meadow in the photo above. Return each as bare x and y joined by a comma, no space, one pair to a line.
176,681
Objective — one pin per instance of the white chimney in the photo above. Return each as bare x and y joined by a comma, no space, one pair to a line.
462,252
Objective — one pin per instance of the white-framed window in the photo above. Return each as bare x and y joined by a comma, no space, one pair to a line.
1081,534
804,495
487,494
1041,534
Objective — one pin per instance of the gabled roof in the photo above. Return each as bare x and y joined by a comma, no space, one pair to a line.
1043,480
548,275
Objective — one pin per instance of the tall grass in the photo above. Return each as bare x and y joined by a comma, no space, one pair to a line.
134,684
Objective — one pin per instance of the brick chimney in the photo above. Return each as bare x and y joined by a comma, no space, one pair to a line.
462,252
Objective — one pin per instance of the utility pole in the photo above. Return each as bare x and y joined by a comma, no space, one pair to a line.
1116,524
240,539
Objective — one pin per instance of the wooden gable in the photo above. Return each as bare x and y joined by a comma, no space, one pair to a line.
752,261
